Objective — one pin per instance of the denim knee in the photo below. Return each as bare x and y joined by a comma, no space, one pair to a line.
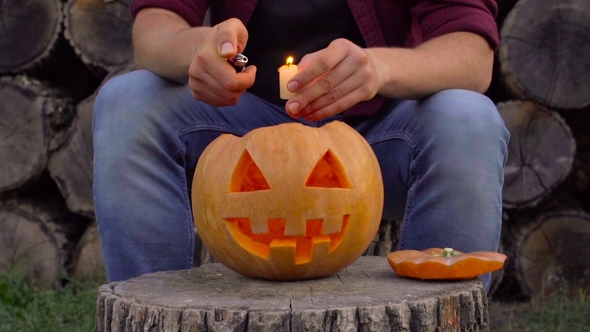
465,125
141,200
459,173
124,102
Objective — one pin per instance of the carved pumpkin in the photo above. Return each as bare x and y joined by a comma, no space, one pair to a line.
289,201
447,263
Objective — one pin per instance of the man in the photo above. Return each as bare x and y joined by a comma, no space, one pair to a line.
408,75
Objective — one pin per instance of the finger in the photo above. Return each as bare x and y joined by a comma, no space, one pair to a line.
218,69
207,96
332,96
247,77
336,107
317,64
330,87
358,82
229,80
211,92
206,88
232,37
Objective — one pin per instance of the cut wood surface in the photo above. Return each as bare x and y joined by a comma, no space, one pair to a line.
71,160
30,243
540,153
24,136
544,51
88,260
552,254
29,31
385,240
366,296
70,165
100,31
498,275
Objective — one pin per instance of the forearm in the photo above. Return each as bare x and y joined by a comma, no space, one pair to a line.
164,43
458,60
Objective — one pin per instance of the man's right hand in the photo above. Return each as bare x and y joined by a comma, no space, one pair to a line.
211,78
165,44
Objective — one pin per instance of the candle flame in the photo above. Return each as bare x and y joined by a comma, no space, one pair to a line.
289,61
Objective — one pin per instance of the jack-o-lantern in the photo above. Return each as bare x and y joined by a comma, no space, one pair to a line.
289,201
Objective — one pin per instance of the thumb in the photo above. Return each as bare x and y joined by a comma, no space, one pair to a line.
232,37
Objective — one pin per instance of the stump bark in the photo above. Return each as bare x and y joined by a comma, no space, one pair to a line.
29,32
541,152
366,296
543,52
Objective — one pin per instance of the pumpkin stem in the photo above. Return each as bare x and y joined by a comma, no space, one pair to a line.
448,252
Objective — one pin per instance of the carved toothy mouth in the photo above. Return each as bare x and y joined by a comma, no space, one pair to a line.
275,239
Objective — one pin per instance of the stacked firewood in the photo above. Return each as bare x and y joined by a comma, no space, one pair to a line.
542,89
54,56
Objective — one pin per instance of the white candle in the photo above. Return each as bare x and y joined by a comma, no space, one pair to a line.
286,72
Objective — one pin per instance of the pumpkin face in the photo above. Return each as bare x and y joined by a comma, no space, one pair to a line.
288,202
437,263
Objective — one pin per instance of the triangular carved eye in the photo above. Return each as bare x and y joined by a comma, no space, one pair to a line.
247,176
328,173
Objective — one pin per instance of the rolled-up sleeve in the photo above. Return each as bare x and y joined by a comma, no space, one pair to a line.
192,11
439,17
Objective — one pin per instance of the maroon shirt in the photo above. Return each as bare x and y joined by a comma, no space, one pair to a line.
382,23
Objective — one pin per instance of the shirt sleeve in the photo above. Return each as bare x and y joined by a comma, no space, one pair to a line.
439,17
193,11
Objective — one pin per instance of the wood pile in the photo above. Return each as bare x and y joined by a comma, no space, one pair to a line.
541,86
55,54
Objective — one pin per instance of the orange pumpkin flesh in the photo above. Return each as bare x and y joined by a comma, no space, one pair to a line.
288,202
437,263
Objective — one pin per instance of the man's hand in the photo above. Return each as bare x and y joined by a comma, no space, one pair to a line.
338,77
165,44
332,80
211,78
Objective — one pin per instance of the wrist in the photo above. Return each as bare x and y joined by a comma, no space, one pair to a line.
392,71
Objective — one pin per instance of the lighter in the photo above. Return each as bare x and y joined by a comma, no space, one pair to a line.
238,62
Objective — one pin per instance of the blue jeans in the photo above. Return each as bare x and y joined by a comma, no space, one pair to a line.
442,160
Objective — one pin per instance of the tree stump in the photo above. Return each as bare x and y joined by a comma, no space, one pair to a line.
29,31
540,153
366,296
543,52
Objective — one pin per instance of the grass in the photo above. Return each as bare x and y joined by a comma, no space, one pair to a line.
24,308
71,308
548,314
